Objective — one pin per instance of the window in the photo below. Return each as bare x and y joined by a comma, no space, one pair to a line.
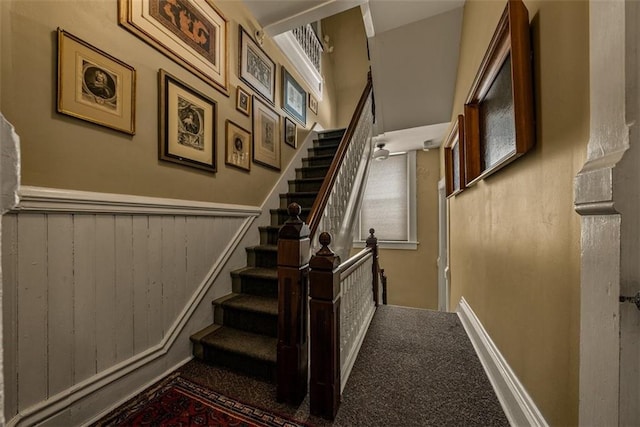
389,203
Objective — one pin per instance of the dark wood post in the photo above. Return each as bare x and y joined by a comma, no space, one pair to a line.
293,270
324,283
372,242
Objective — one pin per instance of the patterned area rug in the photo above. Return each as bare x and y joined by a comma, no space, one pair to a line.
176,401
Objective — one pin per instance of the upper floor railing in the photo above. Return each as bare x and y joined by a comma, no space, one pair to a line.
310,44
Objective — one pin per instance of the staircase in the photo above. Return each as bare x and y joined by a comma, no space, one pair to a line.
244,334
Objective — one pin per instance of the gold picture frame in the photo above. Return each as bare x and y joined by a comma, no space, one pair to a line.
198,42
243,101
266,135
188,124
94,86
237,147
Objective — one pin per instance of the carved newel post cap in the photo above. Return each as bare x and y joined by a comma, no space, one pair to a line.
372,240
325,241
294,210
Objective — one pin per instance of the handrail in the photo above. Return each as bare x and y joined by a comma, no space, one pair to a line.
347,267
320,203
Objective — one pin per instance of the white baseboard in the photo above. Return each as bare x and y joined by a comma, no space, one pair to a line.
516,402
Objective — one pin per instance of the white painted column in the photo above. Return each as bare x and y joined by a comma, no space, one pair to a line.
9,182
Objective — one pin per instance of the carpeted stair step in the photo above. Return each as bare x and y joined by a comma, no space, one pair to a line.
326,143
255,281
304,198
264,256
242,351
324,160
269,235
331,134
279,216
305,184
322,150
312,172
249,313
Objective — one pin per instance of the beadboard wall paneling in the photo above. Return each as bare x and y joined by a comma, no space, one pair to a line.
90,293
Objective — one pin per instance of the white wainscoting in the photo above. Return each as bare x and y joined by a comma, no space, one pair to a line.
99,286
518,406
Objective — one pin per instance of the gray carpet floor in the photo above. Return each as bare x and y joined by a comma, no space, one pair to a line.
415,368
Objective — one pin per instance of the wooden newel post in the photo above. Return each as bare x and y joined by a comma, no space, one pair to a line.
324,279
372,242
293,269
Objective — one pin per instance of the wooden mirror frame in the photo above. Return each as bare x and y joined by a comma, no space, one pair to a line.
511,38
455,137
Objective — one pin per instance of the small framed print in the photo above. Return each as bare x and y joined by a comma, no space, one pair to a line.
256,68
313,104
187,125
266,135
243,101
294,98
237,146
290,137
94,86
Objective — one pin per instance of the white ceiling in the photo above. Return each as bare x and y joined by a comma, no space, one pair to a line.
413,46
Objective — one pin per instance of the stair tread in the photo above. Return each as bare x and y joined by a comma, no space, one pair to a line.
316,179
320,156
264,248
269,273
259,347
299,193
254,303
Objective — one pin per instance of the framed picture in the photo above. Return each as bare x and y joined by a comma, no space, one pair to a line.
499,111
256,68
187,125
294,98
191,32
313,104
237,146
243,101
94,86
290,134
454,158
266,135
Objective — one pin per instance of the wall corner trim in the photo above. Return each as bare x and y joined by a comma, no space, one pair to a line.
516,402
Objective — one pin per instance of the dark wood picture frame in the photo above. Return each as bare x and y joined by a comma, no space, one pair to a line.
290,132
294,97
499,111
188,124
237,146
243,101
454,159
256,68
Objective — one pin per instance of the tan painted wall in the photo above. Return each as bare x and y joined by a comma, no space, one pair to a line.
349,61
63,152
515,238
412,275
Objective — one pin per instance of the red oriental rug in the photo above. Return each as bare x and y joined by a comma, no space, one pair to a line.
178,402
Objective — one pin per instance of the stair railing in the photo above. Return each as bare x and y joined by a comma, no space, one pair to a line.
336,207
343,300
334,210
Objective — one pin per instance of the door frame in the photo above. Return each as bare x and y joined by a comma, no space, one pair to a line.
607,197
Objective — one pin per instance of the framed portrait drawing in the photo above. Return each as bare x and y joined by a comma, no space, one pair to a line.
294,98
191,32
499,110
238,141
94,86
266,135
290,134
454,158
187,125
256,68
313,104
243,101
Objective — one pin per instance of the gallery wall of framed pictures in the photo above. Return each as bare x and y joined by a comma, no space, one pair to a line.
102,89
